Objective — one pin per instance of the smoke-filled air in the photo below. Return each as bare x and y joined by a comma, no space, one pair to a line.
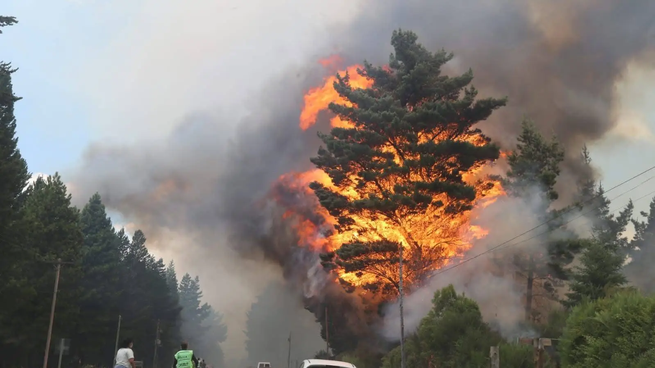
423,145
239,205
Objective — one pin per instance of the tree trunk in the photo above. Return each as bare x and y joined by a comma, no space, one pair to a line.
528,294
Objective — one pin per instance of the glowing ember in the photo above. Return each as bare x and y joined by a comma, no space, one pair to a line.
432,239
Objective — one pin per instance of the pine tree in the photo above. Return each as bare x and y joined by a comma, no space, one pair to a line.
102,285
165,308
13,180
599,273
215,335
137,251
412,138
194,311
601,269
171,278
642,251
608,229
534,168
173,286
136,308
13,168
147,300
7,21
586,183
123,244
54,233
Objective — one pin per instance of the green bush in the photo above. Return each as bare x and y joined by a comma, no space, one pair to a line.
362,358
615,332
452,335
516,356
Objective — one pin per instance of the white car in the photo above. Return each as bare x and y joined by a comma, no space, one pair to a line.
264,365
321,363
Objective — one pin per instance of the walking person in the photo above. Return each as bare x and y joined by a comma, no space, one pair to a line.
185,358
125,355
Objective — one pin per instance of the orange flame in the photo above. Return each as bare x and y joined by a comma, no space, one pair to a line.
331,62
318,99
440,235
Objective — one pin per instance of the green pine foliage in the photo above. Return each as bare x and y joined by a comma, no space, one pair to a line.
599,273
642,251
53,234
14,176
102,291
414,136
534,166
194,312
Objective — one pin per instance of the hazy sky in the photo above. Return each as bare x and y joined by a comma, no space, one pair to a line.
129,70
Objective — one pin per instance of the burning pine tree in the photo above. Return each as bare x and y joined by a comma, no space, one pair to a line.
401,166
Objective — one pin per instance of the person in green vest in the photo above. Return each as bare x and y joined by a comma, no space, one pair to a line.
185,358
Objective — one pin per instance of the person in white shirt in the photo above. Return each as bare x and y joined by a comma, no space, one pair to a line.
125,355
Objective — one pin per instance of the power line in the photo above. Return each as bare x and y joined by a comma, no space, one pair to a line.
584,213
559,215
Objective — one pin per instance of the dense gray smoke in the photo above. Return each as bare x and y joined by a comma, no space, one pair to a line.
557,61
205,192
268,338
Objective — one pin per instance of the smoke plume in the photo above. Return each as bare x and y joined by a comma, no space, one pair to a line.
202,193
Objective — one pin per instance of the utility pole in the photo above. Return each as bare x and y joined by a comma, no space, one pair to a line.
529,289
327,333
154,358
61,352
58,264
289,354
494,355
402,317
118,332
539,347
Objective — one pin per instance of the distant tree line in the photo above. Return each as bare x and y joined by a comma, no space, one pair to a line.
111,273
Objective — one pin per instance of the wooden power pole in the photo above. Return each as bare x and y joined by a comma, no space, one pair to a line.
118,333
494,355
289,352
58,263
327,333
154,358
539,348
539,351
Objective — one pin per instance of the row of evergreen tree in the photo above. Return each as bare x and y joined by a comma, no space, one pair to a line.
110,274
